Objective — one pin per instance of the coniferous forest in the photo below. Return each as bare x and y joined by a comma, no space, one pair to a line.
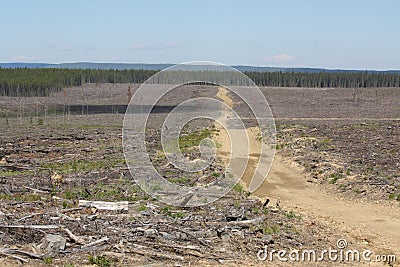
25,82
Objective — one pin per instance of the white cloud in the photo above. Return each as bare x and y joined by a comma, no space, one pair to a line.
23,58
279,59
152,47
65,48
139,47
69,48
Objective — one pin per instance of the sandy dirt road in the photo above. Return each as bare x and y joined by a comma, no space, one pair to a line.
375,225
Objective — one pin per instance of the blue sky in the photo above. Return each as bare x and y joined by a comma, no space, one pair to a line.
310,33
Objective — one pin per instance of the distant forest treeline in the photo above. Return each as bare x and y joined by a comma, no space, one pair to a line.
43,81
26,82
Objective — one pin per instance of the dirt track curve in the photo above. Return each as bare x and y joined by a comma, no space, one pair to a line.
376,225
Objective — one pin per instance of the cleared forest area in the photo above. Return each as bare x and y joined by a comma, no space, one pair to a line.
61,154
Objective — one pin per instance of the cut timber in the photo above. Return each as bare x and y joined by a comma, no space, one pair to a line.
76,239
247,222
39,227
97,242
10,252
101,205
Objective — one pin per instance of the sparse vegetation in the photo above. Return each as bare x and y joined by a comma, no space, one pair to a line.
394,196
101,261
292,215
14,173
28,197
271,229
173,214
335,177
238,188
141,208
48,260
179,180
118,191
83,165
190,140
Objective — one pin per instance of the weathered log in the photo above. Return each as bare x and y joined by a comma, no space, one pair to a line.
102,205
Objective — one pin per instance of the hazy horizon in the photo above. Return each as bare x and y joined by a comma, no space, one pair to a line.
232,65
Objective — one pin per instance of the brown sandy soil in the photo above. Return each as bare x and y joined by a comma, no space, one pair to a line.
374,225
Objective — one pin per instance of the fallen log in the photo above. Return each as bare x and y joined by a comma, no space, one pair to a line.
28,216
97,242
14,257
35,227
102,205
73,237
247,222
11,251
